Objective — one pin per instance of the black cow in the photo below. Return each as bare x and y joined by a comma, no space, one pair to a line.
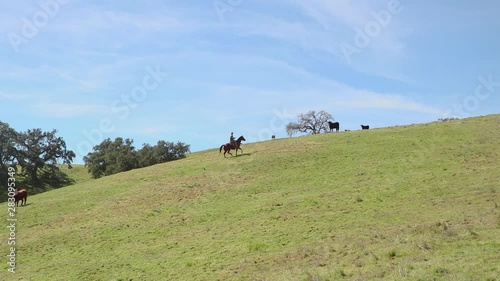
365,127
334,125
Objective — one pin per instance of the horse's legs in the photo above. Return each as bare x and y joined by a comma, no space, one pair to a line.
228,150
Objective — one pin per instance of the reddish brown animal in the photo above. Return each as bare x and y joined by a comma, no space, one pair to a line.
21,195
227,147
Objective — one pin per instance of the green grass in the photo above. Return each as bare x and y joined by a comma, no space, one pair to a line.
415,202
78,173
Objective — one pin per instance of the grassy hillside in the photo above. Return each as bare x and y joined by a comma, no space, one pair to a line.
78,173
416,202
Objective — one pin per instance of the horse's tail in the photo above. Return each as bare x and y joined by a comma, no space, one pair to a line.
220,149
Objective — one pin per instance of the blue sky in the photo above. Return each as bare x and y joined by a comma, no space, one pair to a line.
193,71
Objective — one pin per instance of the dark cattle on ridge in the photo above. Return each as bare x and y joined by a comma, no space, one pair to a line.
365,127
334,125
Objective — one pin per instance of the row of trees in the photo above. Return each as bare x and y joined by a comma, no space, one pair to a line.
36,156
312,122
36,153
111,157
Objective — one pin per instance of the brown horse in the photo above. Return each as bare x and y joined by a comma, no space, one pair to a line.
21,195
229,146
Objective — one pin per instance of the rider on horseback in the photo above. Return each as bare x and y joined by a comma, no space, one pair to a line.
232,144
232,140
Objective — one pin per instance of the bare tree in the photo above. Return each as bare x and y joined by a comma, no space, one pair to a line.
312,122
292,128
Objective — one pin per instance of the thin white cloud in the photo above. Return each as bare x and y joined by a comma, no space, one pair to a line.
309,89
330,25
374,100
152,131
13,97
59,109
99,20
348,12
144,23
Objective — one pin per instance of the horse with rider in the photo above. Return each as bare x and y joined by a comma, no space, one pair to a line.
232,144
